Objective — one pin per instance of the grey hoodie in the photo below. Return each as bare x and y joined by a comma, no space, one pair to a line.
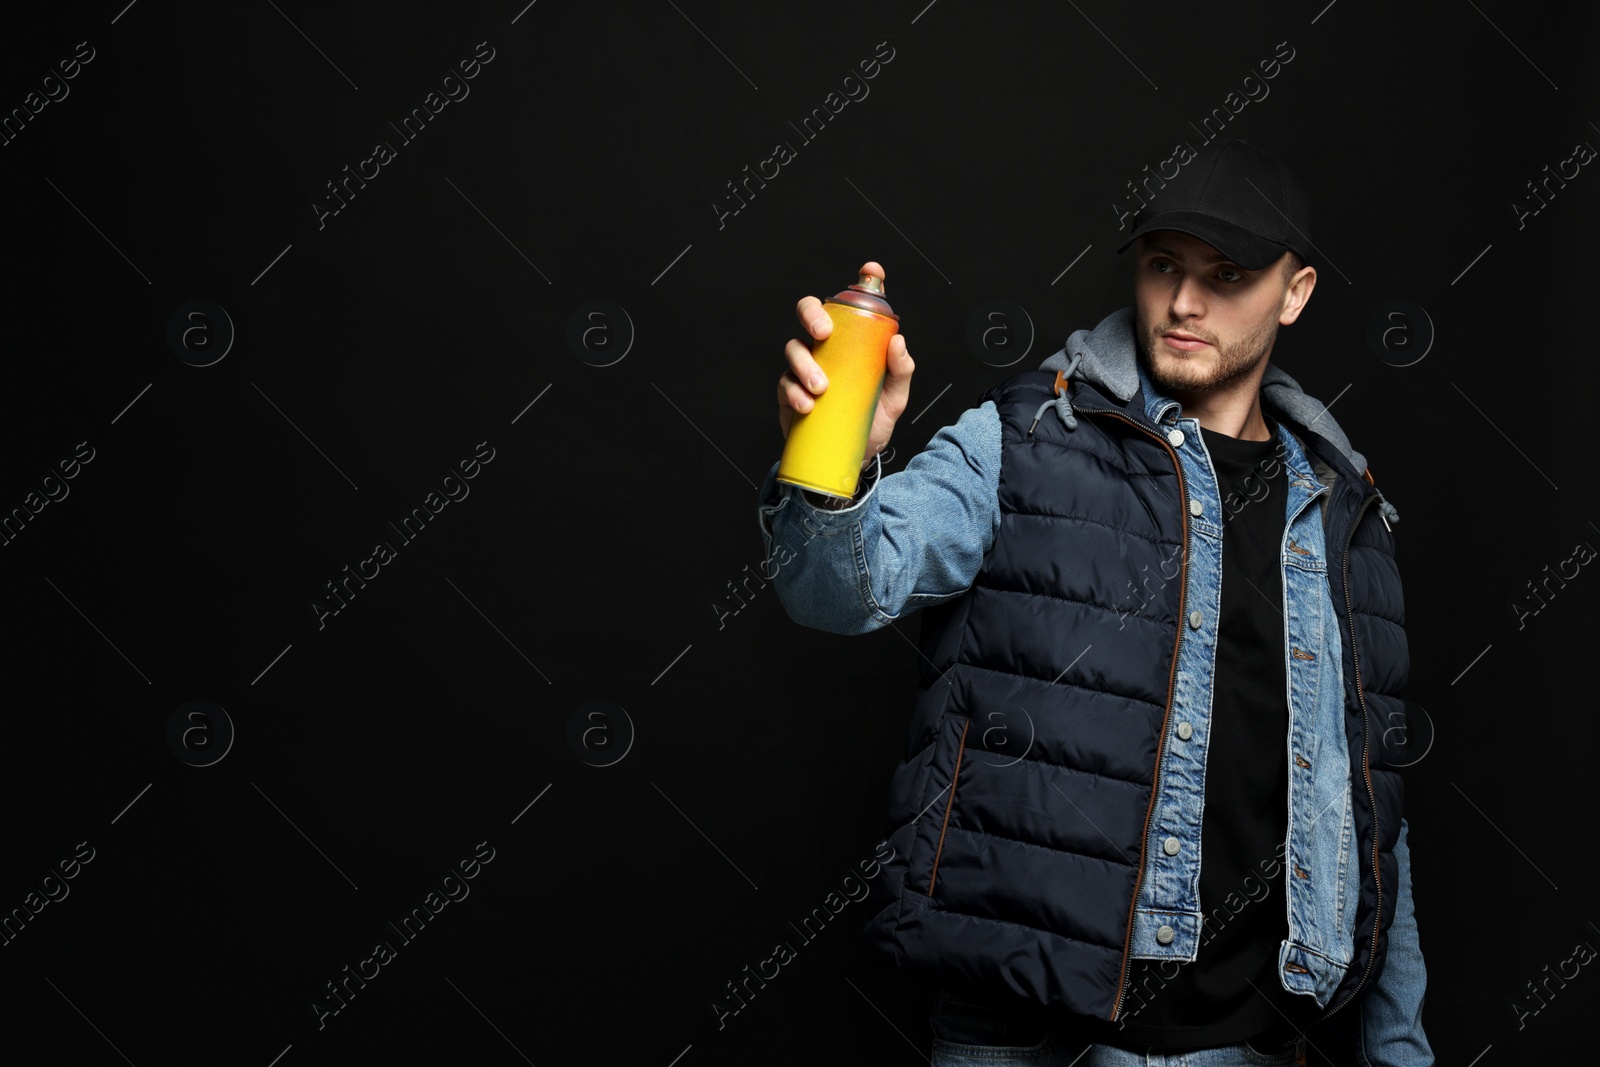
1108,356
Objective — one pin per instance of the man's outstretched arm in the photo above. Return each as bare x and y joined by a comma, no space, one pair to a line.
849,567
907,540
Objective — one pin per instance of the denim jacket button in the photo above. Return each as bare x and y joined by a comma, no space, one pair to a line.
1195,619
1185,731
1170,846
1195,507
1165,935
1175,436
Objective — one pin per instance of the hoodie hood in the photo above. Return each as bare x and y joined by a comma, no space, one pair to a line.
1108,357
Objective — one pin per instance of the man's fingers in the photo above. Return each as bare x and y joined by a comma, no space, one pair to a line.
800,385
899,364
813,318
792,395
897,382
800,400
803,367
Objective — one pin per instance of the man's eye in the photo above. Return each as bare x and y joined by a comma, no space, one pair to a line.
1157,264
1237,277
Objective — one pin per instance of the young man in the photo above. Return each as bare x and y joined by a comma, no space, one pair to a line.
1102,701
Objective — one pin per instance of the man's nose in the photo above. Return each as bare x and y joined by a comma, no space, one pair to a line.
1188,298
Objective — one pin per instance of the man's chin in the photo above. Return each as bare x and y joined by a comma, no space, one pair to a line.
1176,372
1178,387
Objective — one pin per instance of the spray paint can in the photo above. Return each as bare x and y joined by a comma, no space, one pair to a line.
826,445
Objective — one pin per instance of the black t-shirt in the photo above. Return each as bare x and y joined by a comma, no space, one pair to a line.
1232,990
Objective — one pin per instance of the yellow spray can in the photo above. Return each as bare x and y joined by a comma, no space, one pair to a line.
826,445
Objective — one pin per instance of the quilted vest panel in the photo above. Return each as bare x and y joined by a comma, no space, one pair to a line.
1019,808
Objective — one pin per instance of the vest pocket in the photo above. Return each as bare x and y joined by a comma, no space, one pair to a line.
949,750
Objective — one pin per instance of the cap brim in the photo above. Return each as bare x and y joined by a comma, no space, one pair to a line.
1248,250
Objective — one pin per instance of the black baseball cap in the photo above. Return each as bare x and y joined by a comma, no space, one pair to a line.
1240,199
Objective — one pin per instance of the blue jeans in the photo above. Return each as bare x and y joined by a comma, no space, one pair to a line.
969,1034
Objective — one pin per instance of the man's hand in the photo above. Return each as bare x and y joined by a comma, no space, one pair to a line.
795,397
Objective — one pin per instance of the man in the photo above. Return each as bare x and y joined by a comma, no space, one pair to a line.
1101,701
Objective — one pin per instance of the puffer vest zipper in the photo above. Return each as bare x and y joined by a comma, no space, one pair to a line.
1019,810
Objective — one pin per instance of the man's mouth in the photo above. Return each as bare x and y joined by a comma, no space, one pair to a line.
1183,342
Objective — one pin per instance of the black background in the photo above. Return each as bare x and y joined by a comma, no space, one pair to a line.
593,558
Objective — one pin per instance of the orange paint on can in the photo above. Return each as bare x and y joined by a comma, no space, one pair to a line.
826,445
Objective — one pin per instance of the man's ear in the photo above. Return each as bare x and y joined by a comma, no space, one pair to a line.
1297,295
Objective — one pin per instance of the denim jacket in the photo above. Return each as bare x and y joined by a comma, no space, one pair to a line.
917,538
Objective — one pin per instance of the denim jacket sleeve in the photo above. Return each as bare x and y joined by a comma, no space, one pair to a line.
1390,1031
908,540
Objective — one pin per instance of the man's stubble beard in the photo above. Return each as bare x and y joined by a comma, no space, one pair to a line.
1235,360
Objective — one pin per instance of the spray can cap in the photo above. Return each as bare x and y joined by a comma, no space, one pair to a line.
867,295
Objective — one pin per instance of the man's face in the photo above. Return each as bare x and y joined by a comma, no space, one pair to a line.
1185,288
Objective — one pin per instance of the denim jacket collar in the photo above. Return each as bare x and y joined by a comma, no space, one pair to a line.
1108,357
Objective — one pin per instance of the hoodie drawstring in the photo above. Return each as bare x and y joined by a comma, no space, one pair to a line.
1385,509
1064,412
1062,405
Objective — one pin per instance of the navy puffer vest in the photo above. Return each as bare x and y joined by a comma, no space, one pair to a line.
1019,811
